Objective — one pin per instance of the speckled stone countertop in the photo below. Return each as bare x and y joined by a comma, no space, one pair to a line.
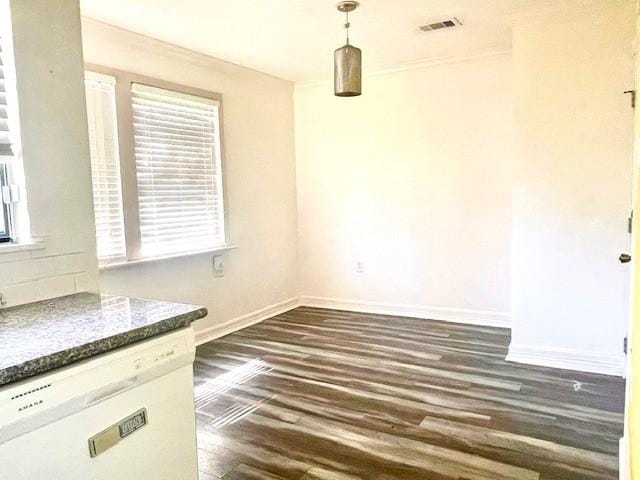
39,337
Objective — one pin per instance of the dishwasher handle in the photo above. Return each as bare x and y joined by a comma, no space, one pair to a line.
109,391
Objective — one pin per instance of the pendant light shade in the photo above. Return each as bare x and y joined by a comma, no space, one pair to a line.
347,76
347,73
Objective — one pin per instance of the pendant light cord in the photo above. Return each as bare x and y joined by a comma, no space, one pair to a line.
347,25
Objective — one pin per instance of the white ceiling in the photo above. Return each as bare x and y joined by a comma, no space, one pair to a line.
295,39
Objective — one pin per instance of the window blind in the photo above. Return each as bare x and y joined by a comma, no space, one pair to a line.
178,165
5,141
105,167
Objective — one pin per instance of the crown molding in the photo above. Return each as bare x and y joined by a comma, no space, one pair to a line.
423,64
152,45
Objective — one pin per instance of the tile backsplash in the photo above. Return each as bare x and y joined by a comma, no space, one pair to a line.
56,266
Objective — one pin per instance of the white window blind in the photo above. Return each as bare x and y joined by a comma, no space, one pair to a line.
178,165
105,167
5,141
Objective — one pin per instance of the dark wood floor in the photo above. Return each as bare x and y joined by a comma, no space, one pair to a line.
325,395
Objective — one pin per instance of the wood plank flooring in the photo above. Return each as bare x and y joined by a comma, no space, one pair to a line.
318,394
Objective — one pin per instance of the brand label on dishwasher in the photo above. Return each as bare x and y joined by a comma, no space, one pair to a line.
133,423
109,437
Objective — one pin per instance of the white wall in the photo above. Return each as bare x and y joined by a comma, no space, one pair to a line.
572,186
413,178
55,153
259,179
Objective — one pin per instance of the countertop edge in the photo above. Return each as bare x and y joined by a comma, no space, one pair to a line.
32,368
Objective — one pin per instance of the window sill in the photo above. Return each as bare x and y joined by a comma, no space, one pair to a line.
10,247
127,263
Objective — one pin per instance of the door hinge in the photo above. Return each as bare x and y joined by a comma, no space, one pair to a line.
625,345
630,223
633,97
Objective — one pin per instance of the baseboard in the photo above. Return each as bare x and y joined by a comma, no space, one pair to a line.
582,360
238,323
473,317
457,315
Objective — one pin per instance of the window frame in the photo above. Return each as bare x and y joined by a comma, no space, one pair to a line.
7,235
128,174
8,158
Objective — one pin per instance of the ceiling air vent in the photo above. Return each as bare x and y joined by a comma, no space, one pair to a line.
449,23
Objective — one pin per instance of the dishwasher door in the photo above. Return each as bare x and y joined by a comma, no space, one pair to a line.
127,414
160,446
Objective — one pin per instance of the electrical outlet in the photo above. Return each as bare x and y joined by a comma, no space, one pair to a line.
359,267
218,266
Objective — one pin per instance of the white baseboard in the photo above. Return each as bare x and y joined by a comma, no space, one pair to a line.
473,317
238,323
457,315
582,360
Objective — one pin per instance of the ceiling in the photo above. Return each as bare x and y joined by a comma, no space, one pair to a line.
295,39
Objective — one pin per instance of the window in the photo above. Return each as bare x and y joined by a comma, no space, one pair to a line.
5,230
156,160
5,157
177,165
105,167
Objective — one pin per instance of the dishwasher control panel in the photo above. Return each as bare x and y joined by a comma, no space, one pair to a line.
161,354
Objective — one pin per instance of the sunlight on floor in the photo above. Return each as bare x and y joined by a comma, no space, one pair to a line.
208,392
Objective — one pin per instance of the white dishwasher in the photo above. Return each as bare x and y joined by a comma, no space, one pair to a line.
123,415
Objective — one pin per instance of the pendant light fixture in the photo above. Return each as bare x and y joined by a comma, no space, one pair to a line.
347,74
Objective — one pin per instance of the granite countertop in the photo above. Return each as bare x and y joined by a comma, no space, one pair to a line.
41,336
